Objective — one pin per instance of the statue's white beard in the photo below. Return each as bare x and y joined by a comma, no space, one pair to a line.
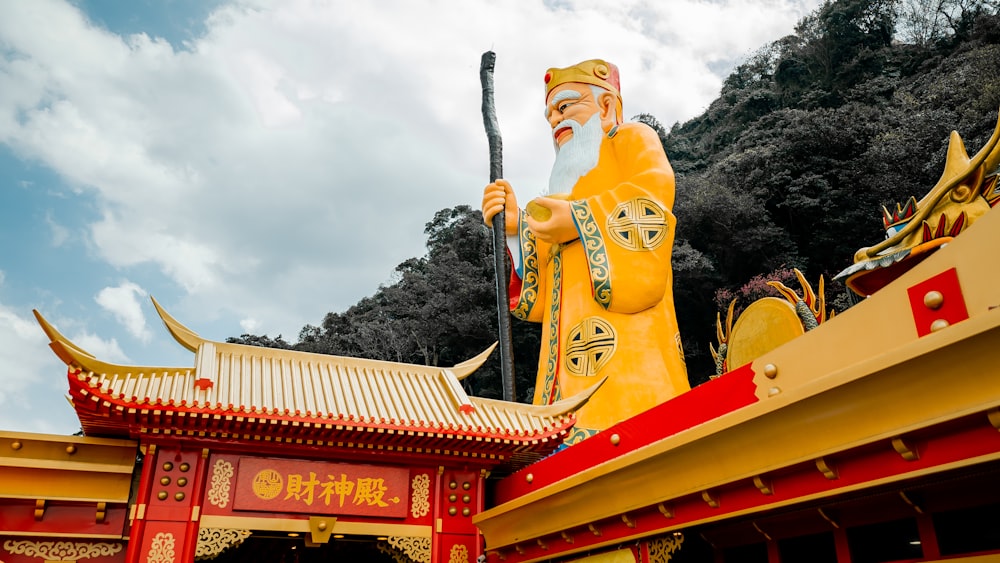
578,156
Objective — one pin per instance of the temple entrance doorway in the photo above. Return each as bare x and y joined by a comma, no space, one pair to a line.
281,547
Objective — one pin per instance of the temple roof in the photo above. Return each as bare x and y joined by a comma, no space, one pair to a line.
244,392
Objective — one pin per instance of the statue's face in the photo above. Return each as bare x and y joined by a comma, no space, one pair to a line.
571,102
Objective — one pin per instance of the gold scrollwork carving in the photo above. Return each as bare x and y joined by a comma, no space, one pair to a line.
420,504
550,389
578,435
638,224
416,548
459,554
161,549
58,550
590,346
222,475
597,255
213,541
397,557
529,287
662,549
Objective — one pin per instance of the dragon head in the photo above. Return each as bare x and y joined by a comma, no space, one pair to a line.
966,190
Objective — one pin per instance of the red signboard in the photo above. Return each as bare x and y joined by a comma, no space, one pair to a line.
319,487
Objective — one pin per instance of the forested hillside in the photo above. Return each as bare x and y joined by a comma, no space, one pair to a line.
788,168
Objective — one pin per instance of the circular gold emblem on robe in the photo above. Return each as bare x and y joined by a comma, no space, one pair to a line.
638,224
267,484
590,346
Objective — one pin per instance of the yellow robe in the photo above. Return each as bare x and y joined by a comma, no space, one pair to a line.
605,300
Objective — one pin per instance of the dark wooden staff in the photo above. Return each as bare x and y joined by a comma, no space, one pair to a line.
499,231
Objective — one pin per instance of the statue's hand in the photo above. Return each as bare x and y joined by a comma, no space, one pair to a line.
559,227
497,196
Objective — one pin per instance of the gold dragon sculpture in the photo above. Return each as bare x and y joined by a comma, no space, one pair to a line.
967,189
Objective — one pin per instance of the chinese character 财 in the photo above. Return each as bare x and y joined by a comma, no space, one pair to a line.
298,488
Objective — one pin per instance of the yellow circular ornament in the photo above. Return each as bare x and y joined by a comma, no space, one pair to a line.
763,326
267,484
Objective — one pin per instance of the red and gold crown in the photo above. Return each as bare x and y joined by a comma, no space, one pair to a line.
902,214
595,71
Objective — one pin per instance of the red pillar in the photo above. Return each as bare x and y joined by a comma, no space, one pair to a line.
842,546
928,536
458,497
166,520
773,555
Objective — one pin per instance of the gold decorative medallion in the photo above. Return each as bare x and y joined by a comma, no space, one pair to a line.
417,549
420,504
161,549
222,474
267,484
590,345
62,550
213,541
638,224
459,554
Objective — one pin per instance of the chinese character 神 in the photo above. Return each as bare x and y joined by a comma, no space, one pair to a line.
341,488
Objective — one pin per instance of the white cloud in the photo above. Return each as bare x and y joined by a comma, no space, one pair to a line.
30,375
16,334
249,325
282,164
105,349
122,302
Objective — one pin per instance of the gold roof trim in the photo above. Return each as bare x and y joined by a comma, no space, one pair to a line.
55,336
182,334
255,381
192,341
464,369
563,406
65,468
71,354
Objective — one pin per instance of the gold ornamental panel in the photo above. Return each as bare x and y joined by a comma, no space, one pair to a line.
417,549
62,550
213,541
397,556
590,346
222,475
459,554
420,495
638,224
161,549
662,549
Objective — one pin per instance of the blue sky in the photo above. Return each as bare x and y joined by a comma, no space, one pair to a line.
254,165
177,21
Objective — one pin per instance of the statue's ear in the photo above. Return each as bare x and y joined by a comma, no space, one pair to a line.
606,103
